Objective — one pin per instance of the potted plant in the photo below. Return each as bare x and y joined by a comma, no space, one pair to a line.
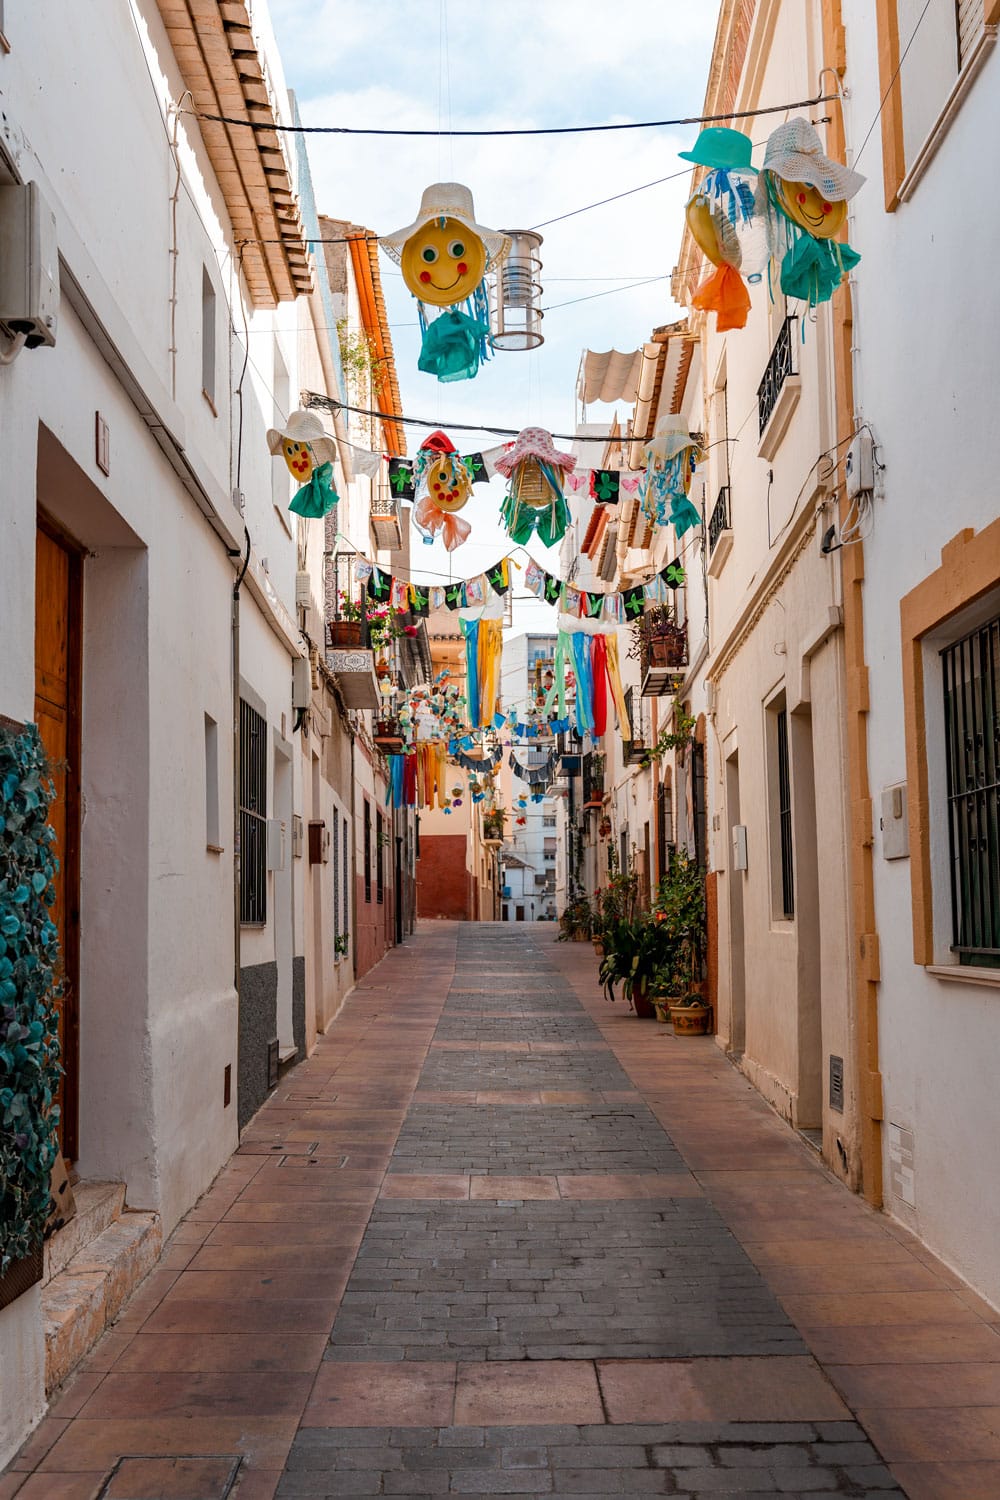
658,639
635,952
493,822
680,912
575,920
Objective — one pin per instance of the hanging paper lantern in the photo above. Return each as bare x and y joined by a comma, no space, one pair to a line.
804,195
535,500
308,453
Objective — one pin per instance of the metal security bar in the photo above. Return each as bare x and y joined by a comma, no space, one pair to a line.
368,851
335,861
779,366
253,817
719,520
380,839
346,882
971,670
785,817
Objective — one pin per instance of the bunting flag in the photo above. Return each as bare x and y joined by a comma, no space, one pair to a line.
532,775
380,586
605,486
622,607
498,577
476,466
401,482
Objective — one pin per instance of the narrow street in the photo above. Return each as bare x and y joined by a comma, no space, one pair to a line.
498,1237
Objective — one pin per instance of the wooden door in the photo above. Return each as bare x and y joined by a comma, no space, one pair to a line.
58,659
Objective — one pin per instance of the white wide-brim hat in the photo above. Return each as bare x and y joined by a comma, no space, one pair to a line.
304,427
448,200
670,437
794,152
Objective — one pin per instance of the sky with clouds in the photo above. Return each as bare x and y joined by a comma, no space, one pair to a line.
430,63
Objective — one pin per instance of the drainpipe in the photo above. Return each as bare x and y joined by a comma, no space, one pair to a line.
865,954
237,851
354,884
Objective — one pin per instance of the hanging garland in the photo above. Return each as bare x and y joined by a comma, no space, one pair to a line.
29,956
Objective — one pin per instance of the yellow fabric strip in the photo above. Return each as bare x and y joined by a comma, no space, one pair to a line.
615,680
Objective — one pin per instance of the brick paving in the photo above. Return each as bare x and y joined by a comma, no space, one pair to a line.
496,1237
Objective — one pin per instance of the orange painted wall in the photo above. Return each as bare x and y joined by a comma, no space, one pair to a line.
443,882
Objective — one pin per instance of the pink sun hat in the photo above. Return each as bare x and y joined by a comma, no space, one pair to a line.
534,442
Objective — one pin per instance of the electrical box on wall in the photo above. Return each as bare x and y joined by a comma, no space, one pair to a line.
303,590
297,836
859,465
895,822
29,265
275,844
740,847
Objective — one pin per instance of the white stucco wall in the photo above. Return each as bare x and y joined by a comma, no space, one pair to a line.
927,302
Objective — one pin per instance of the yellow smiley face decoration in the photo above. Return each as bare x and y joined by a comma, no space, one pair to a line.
448,483
443,262
807,207
299,458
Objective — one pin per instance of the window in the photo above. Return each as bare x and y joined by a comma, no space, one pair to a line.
335,861
208,321
253,816
971,670
212,784
664,826
368,850
549,821
346,881
379,858
698,803
784,814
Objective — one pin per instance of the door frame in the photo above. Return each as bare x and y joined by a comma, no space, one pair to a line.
69,1125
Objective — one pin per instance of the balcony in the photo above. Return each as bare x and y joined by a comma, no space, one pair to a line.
663,653
355,674
779,391
385,523
720,533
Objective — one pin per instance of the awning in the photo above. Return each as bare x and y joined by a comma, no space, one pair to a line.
611,376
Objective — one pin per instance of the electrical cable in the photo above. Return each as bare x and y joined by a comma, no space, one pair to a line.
737,114
892,81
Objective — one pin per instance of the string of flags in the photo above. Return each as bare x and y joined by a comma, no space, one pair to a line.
618,608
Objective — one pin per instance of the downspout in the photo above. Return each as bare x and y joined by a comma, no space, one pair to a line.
354,883
237,851
865,956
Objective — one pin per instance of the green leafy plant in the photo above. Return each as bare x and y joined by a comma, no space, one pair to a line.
680,910
341,944
635,951
29,988
576,919
677,738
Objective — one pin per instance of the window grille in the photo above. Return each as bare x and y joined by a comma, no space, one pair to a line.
379,858
664,827
780,365
335,851
346,882
972,729
253,817
699,804
368,850
785,816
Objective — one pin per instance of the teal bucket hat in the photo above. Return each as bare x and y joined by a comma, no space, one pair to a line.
721,149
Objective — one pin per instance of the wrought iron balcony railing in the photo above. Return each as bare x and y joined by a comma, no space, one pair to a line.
719,521
779,367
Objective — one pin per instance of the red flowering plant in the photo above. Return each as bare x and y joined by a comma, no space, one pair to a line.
385,624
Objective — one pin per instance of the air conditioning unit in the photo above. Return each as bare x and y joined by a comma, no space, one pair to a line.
29,265
303,590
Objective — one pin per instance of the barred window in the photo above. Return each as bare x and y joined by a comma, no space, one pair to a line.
785,816
335,861
253,816
346,882
379,858
368,850
971,670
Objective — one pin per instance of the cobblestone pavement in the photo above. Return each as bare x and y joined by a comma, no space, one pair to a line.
496,1237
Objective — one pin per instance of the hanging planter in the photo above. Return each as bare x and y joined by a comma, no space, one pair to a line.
344,634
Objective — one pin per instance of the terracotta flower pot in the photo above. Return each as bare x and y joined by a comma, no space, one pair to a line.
643,1007
345,634
691,1020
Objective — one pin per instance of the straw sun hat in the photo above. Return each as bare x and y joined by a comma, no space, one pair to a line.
304,427
534,442
448,200
795,153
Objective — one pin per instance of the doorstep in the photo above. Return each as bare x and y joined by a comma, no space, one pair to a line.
92,1267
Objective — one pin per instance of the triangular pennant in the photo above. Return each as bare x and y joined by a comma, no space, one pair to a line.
454,595
380,586
399,597
401,478
593,605
673,574
553,587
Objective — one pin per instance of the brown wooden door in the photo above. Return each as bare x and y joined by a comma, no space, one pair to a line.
58,657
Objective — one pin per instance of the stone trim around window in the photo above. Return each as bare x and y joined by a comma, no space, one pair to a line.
969,571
